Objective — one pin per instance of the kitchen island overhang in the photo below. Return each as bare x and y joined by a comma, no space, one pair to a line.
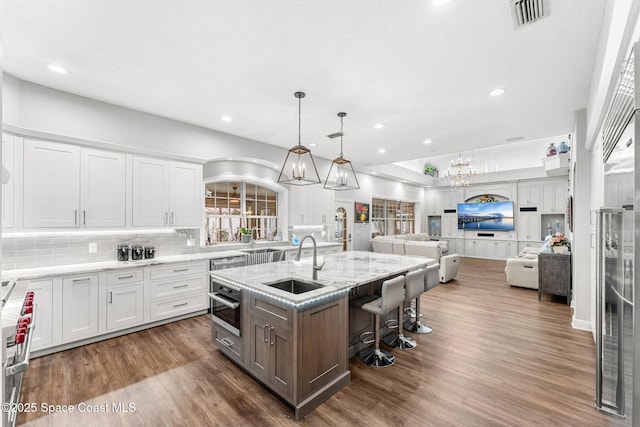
298,344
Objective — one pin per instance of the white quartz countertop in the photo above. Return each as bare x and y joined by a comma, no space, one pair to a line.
210,252
342,271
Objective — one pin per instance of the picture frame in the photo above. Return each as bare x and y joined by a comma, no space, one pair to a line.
361,212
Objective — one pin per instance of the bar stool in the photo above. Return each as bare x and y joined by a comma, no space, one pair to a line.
431,279
413,288
391,296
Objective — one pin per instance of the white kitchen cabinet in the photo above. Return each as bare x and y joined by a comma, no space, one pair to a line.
8,150
311,205
102,188
450,226
79,307
125,306
69,186
450,198
44,304
530,194
495,249
434,202
178,289
554,197
166,193
529,226
51,184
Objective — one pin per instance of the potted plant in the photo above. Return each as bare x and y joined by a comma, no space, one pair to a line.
558,242
245,235
430,170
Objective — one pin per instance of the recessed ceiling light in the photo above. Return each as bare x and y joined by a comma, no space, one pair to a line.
57,69
378,125
374,172
255,161
313,144
226,118
427,141
439,2
230,158
497,92
382,150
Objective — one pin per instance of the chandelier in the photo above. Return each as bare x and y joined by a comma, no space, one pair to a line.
341,170
297,160
458,176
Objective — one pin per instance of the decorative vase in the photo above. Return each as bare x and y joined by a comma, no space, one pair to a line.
558,249
551,150
563,147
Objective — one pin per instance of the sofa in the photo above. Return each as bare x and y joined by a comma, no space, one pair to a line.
411,245
522,271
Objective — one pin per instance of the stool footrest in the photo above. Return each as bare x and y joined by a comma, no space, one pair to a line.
363,337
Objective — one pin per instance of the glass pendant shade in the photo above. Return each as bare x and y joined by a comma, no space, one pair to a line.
341,175
299,161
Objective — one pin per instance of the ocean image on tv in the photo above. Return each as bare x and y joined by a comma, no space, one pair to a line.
485,216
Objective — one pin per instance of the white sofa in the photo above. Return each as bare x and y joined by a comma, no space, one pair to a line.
522,271
433,250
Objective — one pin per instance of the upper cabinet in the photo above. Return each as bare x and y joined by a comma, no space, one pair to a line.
7,189
554,197
69,186
311,205
530,195
166,193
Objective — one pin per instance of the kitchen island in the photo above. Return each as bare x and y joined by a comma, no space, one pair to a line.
297,342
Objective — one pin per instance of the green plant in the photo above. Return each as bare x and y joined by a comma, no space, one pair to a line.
244,231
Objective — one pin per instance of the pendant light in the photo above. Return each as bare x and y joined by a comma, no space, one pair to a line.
299,161
341,170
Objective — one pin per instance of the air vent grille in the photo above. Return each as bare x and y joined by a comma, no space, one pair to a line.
527,11
335,135
621,110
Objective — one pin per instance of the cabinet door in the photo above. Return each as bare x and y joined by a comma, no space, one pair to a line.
43,299
299,205
259,346
450,225
51,184
554,197
470,247
528,226
102,188
79,307
150,192
125,306
323,205
186,198
529,195
7,189
281,361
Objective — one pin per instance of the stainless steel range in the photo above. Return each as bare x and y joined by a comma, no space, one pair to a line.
18,323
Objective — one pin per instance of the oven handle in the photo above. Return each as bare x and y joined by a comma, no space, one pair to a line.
214,296
24,364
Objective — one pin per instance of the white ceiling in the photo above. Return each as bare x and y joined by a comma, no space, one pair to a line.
423,71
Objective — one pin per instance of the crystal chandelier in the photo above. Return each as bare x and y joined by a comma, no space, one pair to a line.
297,159
458,176
341,170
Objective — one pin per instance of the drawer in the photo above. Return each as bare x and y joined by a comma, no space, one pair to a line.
177,286
228,343
178,306
178,269
121,277
277,314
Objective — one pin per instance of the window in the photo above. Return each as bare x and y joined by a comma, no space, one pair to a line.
391,217
232,205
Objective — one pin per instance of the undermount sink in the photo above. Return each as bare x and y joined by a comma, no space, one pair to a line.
294,286
260,250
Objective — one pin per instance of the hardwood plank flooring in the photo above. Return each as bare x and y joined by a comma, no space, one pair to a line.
496,357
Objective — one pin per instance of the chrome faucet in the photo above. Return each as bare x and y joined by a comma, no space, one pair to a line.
316,267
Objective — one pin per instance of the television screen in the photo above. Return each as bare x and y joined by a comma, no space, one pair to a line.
485,216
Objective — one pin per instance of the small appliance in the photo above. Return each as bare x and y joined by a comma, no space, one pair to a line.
123,252
137,252
149,252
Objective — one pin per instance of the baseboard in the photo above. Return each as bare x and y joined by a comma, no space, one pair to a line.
583,325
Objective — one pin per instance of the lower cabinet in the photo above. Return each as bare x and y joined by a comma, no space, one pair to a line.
43,300
494,249
300,353
125,306
178,289
79,307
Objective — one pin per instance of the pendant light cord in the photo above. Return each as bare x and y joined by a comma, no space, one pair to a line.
341,135
299,120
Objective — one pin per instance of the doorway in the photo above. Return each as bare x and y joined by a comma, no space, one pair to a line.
342,232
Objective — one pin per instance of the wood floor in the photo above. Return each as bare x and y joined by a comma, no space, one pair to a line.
496,357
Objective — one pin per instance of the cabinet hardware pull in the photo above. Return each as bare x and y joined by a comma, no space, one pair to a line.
177,270
172,214
180,305
84,279
75,217
180,286
226,342
84,217
125,277
110,297
270,336
264,333
165,218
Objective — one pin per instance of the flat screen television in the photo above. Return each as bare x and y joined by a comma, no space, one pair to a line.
485,216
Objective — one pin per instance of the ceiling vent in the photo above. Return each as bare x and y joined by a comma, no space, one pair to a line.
527,11
335,135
